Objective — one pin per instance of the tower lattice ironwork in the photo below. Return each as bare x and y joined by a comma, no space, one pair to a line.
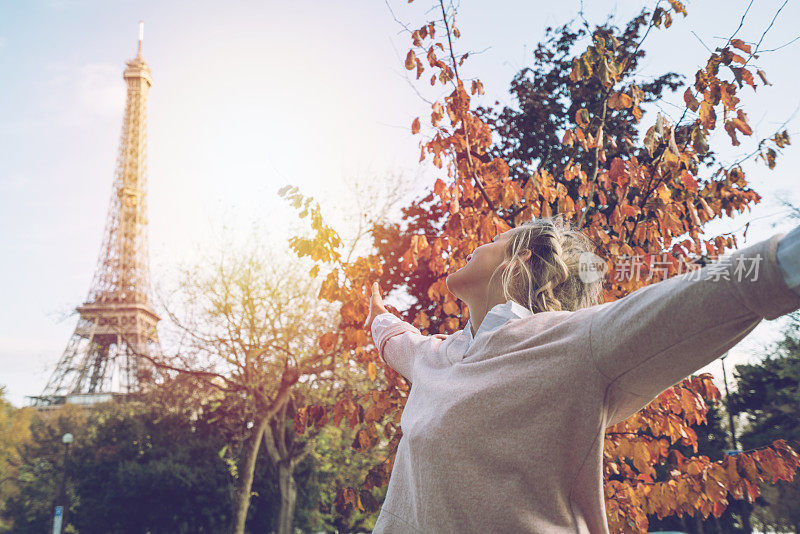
117,325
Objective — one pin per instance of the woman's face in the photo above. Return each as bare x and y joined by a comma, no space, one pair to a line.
472,280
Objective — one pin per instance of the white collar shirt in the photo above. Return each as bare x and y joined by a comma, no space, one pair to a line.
495,318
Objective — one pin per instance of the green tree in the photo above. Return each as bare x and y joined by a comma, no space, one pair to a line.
336,463
768,395
14,430
39,468
137,458
126,458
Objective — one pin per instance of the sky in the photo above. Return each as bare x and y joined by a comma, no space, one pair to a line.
249,96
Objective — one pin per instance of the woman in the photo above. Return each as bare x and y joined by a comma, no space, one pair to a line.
503,429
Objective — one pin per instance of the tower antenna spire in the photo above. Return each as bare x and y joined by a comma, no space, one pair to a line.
141,37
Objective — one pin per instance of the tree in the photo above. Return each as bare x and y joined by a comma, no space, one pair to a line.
549,99
332,463
134,458
14,431
161,453
39,467
647,197
713,439
768,393
248,327
125,458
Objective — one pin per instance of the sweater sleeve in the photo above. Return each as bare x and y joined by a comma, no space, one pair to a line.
659,334
400,354
788,256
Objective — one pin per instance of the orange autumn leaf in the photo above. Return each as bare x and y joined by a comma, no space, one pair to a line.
619,101
327,341
741,123
708,116
371,371
410,63
738,43
582,117
691,101
450,307
415,126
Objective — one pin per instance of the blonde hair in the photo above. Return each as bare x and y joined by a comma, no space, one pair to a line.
548,280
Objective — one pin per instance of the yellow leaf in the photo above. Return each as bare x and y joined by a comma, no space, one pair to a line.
664,193
371,371
708,117
450,307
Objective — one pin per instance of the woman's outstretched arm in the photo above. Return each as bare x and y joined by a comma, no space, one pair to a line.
399,343
658,335
400,356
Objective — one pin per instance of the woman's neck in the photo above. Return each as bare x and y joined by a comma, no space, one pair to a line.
477,312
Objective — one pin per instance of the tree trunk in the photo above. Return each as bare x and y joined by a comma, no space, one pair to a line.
698,523
246,472
717,524
288,487
747,510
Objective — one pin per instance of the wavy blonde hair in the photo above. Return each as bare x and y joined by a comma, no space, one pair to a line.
548,280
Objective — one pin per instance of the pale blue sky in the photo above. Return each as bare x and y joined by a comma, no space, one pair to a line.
249,96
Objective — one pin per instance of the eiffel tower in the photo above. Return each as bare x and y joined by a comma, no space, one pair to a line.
117,325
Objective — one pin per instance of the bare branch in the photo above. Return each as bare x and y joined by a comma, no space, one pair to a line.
755,50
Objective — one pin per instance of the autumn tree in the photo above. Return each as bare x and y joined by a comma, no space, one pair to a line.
637,185
335,463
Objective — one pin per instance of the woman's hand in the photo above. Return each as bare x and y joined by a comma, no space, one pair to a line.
375,306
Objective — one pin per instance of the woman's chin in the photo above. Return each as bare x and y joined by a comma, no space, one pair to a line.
452,280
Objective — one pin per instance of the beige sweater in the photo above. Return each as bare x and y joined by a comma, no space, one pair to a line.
504,432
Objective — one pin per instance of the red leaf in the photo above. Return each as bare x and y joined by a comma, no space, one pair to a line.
690,100
738,43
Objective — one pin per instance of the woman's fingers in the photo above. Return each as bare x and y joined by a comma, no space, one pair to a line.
375,304
376,294
371,305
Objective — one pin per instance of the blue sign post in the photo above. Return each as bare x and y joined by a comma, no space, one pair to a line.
57,519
